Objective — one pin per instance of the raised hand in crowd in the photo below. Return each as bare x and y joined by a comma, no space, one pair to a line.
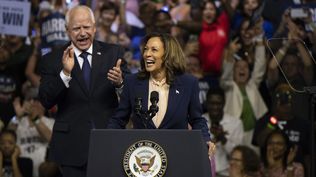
233,47
292,154
18,107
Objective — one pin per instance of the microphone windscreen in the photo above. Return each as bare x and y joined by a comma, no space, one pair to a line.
154,96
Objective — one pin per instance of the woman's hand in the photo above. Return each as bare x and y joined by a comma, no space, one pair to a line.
270,157
211,148
18,108
292,154
16,153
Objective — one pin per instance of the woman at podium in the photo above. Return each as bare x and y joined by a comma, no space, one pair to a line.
161,95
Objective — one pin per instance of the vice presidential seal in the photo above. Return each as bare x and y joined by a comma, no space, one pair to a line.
145,159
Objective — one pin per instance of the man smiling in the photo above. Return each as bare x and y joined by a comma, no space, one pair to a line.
82,81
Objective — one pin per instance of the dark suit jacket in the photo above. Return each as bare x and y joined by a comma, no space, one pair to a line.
183,105
79,109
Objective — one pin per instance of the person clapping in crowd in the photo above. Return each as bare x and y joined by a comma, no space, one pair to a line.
226,131
33,128
278,155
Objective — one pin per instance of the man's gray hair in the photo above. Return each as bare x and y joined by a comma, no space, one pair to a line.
76,8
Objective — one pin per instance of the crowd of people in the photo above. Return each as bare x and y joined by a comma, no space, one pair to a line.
252,61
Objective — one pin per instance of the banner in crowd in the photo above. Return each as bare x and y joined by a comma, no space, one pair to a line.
14,17
53,32
311,7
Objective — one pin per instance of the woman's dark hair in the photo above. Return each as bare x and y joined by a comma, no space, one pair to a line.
203,5
241,6
240,27
215,91
159,25
9,132
173,59
108,5
250,159
161,11
263,149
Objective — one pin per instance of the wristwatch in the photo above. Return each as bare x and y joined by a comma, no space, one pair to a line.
36,120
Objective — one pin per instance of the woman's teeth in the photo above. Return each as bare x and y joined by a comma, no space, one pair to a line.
150,62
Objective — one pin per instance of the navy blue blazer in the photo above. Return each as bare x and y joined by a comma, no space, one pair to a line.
79,109
183,105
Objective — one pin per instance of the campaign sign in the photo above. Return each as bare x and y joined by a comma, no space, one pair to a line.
311,7
14,17
53,31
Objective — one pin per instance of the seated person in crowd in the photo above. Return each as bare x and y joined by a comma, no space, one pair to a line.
205,81
244,162
278,154
282,117
10,162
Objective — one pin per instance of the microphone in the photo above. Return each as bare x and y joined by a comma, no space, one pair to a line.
138,105
154,98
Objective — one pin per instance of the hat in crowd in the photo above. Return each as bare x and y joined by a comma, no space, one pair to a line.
283,94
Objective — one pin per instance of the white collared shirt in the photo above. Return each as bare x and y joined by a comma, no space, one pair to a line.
66,79
80,59
163,89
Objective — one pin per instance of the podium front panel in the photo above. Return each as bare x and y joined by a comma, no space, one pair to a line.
186,151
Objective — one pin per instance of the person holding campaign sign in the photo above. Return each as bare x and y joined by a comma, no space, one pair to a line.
83,80
53,32
161,87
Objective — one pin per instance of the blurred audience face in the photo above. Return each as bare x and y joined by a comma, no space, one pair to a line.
153,55
146,12
215,104
193,65
249,6
241,72
196,14
12,40
4,56
283,110
81,28
246,33
162,22
276,146
43,14
283,101
107,17
236,161
290,65
209,13
7,144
